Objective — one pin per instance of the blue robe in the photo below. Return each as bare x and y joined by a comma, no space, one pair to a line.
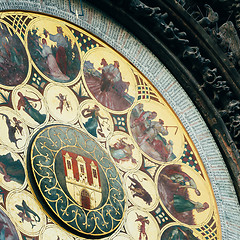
32,112
92,124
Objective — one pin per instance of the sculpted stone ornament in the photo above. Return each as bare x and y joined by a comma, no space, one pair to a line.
211,18
230,40
157,21
193,54
210,76
232,118
235,126
181,2
142,9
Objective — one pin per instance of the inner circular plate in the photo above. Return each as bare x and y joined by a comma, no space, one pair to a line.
75,181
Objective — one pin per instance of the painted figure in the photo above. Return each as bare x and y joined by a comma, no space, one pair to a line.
7,229
108,86
93,122
11,170
179,233
63,103
142,228
13,58
13,128
182,179
55,55
61,56
122,151
152,130
25,103
183,205
111,77
17,124
26,213
150,134
52,64
139,190
144,122
120,86
155,129
105,76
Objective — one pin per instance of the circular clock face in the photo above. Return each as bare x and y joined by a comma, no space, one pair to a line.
88,147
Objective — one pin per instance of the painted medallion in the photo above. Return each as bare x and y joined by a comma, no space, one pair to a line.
7,229
157,132
184,194
109,79
12,174
176,232
77,179
14,64
54,51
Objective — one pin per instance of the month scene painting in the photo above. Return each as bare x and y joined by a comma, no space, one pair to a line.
89,149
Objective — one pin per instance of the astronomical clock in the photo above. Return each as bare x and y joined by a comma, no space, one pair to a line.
90,146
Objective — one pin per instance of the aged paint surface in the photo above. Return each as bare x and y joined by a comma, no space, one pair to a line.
89,145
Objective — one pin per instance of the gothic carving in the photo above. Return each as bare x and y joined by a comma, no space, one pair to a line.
230,41
181,2
211,18
226,35
232,117
235,126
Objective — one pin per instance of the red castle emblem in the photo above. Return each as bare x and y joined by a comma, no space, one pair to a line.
82,179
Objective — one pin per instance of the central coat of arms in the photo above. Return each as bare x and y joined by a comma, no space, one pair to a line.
82,179
76,181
